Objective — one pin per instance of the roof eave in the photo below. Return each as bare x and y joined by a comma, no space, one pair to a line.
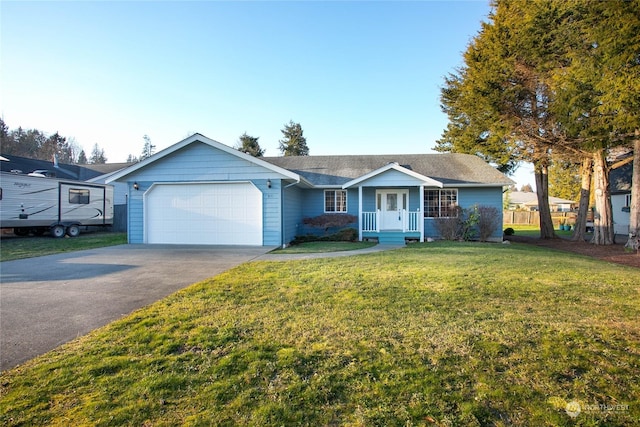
215,144
476,184
425,179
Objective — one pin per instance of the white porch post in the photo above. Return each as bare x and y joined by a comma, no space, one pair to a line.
420,214
360,213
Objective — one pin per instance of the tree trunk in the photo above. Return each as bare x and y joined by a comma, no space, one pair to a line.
586,172
634,216
541,171
603,215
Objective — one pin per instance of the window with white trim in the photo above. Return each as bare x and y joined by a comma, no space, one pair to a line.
440,203
335,200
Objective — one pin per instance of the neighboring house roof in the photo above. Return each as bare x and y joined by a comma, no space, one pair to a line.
25,165
449,169
531,199
620,179
108,168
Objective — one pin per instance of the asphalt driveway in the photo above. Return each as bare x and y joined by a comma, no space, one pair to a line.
47,301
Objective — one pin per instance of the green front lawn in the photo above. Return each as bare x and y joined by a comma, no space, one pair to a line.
323,246
27,247
446,334
534,230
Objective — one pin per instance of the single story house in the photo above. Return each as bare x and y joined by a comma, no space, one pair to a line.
620,190
199,191
528,201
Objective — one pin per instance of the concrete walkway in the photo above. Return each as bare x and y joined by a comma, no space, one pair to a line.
275,256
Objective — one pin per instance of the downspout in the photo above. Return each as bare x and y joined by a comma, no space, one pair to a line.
421,215
360,213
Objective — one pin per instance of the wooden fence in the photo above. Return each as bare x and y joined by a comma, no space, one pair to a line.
533,217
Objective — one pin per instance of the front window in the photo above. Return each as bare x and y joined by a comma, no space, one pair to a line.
335,201
440,203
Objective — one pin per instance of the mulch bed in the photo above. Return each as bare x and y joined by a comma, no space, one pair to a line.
611,253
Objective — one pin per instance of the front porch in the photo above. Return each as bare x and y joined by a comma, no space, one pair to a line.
409,227
389,204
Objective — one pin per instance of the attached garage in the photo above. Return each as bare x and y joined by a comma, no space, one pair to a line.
212,213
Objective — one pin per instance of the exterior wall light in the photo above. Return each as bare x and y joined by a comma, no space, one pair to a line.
268,183
136,186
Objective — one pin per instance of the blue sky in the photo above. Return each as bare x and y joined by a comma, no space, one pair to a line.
360,77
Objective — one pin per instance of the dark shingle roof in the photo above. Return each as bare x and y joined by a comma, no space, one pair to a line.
64,171
620,179
448,168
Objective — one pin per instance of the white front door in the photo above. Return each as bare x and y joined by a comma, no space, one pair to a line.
391,204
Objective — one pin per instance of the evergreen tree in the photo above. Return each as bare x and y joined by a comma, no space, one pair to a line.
293,142
97,156
498,103
564,179
148,148
540,78
249,144
82,158
4,135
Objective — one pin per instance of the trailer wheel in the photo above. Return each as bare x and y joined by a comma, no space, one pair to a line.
73,231
58,231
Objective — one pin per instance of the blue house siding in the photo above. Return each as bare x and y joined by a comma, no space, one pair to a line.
198,159
271,211
292,213
467,198
136,212
201,163
313,202
312,205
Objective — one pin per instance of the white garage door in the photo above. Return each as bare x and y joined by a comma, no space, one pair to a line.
204,214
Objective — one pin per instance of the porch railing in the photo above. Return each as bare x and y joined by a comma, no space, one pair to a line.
370,221
410,221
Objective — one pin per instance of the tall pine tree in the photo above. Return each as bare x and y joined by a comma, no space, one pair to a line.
293,142
249,144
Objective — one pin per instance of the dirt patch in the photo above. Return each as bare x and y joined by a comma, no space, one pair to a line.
611,253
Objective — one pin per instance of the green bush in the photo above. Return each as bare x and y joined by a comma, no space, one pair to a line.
342,235
327,221
488,221
509,231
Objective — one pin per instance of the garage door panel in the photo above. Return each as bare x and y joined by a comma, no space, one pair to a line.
214,213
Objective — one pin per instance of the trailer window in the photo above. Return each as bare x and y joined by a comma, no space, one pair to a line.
78,196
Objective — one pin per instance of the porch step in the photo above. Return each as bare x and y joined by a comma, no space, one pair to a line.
393,238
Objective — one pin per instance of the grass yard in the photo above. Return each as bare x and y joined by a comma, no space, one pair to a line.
27,247
534,230
443,334
324,246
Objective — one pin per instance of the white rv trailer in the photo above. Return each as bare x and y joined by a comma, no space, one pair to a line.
35,204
